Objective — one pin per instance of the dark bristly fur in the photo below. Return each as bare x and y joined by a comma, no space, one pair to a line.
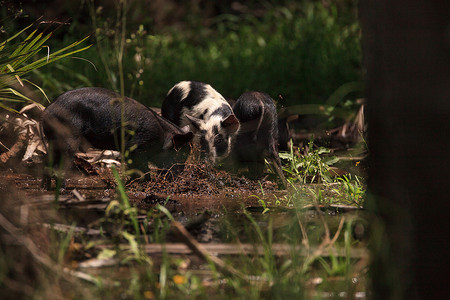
87,117
258,136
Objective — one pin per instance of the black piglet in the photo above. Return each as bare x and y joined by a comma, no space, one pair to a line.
257,139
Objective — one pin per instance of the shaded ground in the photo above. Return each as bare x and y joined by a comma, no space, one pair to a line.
211,211
222,211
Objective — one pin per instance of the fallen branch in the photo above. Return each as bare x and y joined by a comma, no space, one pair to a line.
69,228
66,200
336,207
216,249
15,149
203,253
77,195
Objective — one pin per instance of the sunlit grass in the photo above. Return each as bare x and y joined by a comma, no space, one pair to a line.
18,59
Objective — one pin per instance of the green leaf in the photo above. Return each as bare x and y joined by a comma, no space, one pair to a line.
166,212
7,107
134,247
331,160
2,45
14,58
342,91
106,254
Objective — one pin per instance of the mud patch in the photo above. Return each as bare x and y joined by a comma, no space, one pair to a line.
199,179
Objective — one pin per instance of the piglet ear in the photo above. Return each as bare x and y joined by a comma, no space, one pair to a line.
194,121
168,141
177,140
231,124
180,139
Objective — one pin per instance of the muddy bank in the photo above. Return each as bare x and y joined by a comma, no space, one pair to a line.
192,189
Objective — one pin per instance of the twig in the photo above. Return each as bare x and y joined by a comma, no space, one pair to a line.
338,231
337,207
99,263
68,228
305,240
15,149
238,249
326,243
27,243
24,212
77,195
83,276
18,287
326,239
38,255
203,253
213,249
141,226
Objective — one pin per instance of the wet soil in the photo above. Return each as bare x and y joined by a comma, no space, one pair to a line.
208,202
189,191
200,197
197,195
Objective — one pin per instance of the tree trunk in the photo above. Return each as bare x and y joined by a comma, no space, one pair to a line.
406,46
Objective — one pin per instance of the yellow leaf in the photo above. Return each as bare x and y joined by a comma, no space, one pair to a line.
149,295
179,279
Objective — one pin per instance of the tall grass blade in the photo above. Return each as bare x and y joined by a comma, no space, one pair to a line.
125,201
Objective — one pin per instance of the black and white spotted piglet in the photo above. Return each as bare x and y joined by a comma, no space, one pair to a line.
200,106
257,139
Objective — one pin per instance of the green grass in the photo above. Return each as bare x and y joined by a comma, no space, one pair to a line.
22,53
309,166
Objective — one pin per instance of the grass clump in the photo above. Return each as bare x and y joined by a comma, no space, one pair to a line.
18,59
352,189
309,167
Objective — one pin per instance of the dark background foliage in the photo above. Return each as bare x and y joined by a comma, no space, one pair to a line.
298,51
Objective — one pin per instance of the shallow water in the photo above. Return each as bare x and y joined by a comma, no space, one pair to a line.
224,222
